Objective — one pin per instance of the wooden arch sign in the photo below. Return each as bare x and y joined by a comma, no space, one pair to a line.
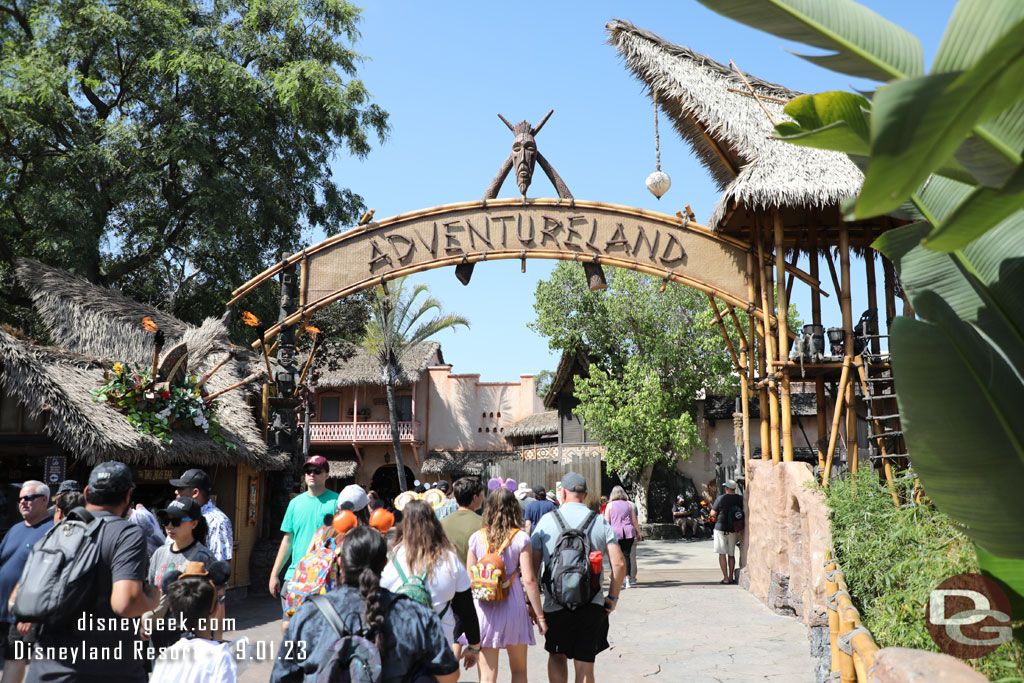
625,237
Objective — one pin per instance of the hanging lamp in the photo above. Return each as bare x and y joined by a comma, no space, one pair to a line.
658,182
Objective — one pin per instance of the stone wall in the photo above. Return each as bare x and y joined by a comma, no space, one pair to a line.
786,538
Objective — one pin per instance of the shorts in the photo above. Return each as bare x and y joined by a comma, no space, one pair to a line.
579,634
11,636
725,542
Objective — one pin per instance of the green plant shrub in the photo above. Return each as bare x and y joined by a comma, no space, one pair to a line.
893,558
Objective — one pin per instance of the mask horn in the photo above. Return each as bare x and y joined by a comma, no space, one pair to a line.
536,129
510,126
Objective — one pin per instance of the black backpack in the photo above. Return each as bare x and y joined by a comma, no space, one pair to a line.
735,518
568,574
352,658
57,583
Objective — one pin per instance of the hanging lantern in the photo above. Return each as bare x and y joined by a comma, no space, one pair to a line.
658,182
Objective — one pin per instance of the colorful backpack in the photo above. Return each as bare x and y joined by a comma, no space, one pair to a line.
487,577
315,574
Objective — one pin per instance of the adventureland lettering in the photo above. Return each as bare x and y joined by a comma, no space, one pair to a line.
604,236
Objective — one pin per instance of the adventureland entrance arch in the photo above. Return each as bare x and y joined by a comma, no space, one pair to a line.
674,248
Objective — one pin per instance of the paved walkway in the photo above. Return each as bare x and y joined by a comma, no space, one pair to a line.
677,624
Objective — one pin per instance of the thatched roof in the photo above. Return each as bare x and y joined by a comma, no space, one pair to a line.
572,362
342,469
536,425
57,380
461,463
347,365
732,136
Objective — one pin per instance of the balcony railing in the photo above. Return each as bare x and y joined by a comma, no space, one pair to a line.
361,432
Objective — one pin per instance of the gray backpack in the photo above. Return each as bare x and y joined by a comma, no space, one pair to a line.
57,582
568,576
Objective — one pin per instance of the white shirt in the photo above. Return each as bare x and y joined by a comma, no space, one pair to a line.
196,660
448,578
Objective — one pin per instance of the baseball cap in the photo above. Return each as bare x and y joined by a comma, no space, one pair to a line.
69,485
182,507
574,481
443,486
730,484
353,497
317,461
539,490
196,479
110,477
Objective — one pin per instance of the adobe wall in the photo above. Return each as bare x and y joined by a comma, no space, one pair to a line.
785,541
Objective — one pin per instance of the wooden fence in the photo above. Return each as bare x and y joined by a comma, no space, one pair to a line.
548,472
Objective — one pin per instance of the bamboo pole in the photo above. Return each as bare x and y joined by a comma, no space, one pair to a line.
767,304
869,268
844,299
725,333
833,617
745,358
819,381
753,286
210,374
844,377
265,410
251,378
782,316
832,272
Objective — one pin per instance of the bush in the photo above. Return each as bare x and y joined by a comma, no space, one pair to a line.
893,558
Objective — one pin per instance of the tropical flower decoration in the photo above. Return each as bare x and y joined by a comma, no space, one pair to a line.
157,408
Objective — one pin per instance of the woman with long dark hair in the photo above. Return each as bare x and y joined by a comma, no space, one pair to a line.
407,634
505,624
423,550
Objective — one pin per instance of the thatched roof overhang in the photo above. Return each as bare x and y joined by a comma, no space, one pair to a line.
570,361
536,425
732,138
342,469
95,327
347,365
462,463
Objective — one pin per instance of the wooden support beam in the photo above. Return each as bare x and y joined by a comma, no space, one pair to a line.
844,299
890,293
759,349
767,305
869,270
819,382
782,316
833,436
832,272
725,333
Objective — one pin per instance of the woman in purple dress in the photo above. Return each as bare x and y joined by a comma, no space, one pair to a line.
506,624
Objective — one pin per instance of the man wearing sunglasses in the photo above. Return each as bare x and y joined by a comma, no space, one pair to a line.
304,516
32,502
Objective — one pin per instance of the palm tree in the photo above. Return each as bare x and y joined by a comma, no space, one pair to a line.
395,326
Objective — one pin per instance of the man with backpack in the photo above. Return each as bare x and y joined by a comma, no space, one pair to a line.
568,543
111,589
727,514
14,550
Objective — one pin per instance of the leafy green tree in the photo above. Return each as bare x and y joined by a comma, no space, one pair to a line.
652,353
173,149
542,381
399,321
943,150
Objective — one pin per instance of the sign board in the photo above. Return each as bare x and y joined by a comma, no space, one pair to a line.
54,470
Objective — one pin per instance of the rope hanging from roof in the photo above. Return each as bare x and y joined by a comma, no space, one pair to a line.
658,182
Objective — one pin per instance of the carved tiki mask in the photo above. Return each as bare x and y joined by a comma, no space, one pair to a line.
524,155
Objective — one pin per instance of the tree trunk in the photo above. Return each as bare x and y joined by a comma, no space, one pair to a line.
396,440
638,484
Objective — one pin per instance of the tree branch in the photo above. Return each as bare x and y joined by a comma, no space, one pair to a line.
18,17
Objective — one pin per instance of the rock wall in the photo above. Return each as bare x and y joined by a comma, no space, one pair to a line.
786,538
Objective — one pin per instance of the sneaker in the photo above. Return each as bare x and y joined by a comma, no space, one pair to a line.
626,583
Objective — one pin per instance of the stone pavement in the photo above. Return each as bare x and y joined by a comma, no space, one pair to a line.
677,624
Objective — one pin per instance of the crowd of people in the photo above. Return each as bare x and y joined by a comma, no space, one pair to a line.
382,593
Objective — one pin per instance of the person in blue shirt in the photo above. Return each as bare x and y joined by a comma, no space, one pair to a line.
33,501
537,508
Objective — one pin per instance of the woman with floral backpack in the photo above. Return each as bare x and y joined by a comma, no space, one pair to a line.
423,566
501,567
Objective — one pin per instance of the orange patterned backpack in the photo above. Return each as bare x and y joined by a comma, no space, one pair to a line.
487,581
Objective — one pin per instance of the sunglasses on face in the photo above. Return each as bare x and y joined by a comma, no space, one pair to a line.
314,470
29,499
177,522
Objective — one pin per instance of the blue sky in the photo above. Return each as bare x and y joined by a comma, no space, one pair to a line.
443,70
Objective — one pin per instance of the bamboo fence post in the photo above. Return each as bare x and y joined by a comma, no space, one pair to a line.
767,304
869,268
819,381
851,399
833,616
782,315
744,389
847,670
265,410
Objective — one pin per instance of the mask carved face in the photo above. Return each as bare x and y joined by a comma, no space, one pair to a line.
524,151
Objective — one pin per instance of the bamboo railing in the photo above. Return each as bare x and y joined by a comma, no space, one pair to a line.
853,646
